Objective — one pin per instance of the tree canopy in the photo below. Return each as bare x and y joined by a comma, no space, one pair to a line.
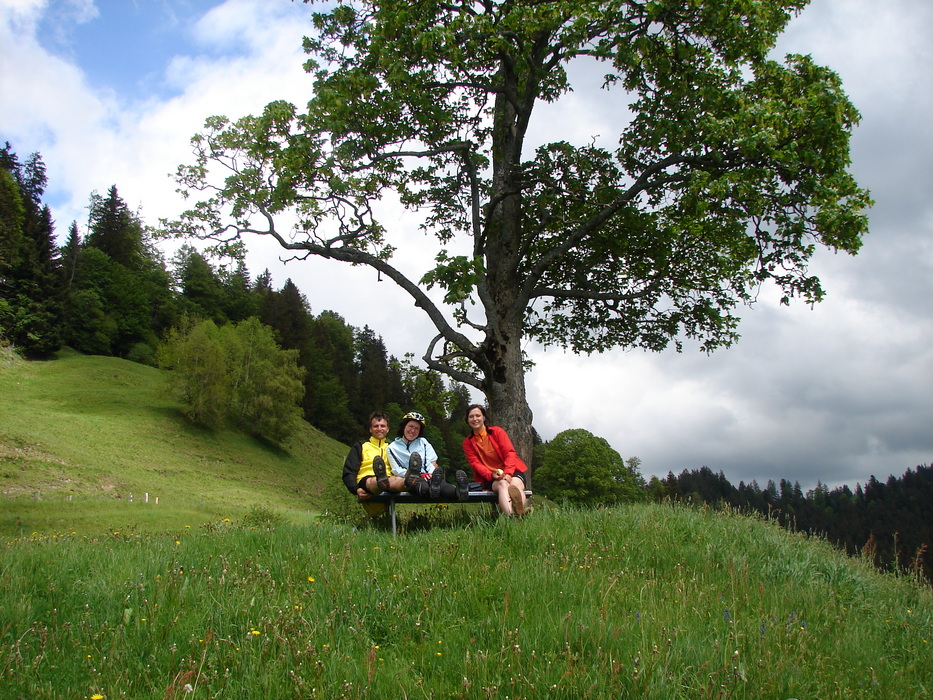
583,469
727,171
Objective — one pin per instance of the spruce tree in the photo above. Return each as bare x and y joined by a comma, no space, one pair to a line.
115,230
30,288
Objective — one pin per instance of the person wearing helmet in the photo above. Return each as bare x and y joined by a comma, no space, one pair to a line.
365,471
412,458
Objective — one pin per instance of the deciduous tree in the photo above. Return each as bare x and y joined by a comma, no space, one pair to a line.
236,374
581,468
726,171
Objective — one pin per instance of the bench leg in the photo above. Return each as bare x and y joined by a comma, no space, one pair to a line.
392,515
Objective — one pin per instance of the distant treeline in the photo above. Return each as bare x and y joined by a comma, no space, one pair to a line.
111,292
891,522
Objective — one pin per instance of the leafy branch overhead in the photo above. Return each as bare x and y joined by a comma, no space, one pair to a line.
727,170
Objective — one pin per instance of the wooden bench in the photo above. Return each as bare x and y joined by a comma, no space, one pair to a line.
476,496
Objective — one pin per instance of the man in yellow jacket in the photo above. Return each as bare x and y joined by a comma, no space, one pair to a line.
364,470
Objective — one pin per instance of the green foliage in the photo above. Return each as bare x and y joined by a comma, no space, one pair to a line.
118,291
888,521
644,602
30,280
263,517
264,384
236,374
90,329
579,468
12,216
200,287
115,230
196,357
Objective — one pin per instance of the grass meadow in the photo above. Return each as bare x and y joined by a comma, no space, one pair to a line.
84,439
255,576
648,601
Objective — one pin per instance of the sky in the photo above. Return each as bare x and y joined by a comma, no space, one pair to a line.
111,91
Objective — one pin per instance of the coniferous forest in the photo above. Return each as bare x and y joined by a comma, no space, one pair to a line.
890,522
109,291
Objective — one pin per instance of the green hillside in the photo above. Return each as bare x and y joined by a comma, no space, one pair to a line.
84,439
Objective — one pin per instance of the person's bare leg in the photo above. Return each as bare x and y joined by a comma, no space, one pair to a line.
502,491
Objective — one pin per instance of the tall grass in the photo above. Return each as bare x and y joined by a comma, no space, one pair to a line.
647,602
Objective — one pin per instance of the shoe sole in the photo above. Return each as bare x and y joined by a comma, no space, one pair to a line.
518,506
414,470
434,485
463,486
379,469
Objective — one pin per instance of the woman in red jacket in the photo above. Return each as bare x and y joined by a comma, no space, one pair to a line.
495,463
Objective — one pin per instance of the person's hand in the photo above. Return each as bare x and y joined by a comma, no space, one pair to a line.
363,493
498,475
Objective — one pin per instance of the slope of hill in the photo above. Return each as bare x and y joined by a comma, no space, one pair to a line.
81,436
645,601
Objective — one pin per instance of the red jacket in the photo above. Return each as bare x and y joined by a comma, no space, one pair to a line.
511,462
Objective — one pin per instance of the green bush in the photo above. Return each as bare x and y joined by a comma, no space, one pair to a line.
235,374
579,468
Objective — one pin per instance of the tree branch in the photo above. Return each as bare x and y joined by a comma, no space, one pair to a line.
361,257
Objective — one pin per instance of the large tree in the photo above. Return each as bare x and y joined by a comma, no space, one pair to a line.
115,229
727,171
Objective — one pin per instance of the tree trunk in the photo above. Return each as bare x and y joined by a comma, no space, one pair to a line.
504,380
508,404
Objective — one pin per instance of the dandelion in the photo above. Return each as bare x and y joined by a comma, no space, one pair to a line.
97,696
310,579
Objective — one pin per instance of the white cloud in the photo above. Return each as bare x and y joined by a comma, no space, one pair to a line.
22,13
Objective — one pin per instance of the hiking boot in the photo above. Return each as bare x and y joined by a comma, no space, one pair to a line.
518,504
414,470
379,469
434,485
463,485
